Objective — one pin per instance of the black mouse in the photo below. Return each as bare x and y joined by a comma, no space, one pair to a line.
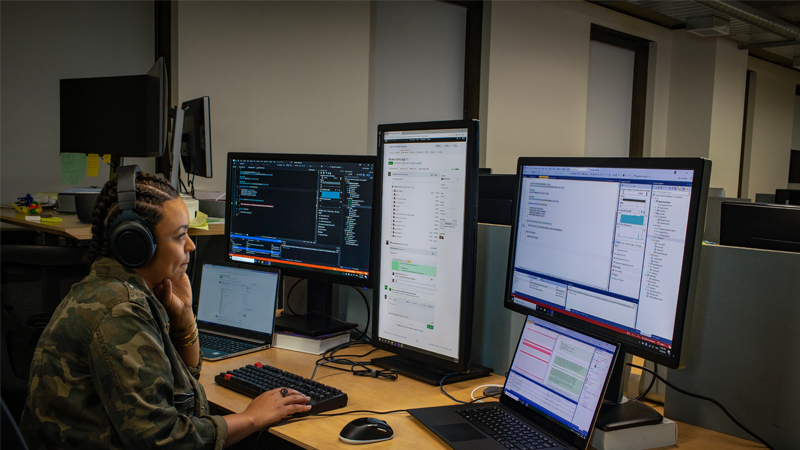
365,431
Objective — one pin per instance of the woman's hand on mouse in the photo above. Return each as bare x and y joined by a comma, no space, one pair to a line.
271,406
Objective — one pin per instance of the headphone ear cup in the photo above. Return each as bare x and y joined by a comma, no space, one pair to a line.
131,243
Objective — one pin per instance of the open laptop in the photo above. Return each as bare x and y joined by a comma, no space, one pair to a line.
236,308
551,398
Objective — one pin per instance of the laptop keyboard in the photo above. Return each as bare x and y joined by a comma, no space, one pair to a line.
252,380
506,429
224,344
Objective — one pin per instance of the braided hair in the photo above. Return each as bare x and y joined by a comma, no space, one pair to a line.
151,193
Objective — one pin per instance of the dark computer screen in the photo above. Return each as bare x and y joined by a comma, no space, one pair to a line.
121,116
760,225
310,215
609,245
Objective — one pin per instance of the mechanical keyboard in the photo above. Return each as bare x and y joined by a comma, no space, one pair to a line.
252,380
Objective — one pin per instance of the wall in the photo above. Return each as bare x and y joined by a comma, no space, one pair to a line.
43,42
771,138
536,101
282,77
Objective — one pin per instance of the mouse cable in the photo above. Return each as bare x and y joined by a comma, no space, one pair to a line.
361,411
719,405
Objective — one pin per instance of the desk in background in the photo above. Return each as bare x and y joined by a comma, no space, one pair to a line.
384,395
71,227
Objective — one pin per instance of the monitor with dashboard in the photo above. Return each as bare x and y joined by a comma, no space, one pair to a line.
610,245
309,215
426,232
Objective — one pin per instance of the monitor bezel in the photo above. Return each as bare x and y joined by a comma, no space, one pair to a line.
691,256
469,247
289,269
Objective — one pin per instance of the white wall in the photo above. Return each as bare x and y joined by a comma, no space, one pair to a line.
282,77
727,115
771,139
419,63
538,79
43,42
608,117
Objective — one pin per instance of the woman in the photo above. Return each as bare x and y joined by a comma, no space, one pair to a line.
117,365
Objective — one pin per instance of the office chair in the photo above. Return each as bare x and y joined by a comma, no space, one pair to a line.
33,281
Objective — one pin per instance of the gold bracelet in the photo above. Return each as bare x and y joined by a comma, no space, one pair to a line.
184,329
188,337
188,344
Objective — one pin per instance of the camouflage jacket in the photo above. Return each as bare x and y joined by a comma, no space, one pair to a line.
105,374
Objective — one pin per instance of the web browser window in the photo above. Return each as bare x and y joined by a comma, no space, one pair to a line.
424,179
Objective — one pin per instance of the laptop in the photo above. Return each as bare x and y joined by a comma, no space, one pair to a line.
236,309
551,397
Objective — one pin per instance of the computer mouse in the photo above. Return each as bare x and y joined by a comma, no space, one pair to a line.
366,430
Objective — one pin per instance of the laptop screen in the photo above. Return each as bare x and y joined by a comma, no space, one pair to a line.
560,373
238,297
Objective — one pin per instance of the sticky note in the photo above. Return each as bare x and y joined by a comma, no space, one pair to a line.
107,159
73,166
92,164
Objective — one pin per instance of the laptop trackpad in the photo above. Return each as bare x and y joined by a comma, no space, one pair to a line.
459,432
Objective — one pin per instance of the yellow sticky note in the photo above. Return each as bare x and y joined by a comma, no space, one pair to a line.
92,164
107,159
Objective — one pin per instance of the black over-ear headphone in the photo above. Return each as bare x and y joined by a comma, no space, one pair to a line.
130,238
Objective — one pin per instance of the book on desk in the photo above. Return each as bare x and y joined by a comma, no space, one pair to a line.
309,344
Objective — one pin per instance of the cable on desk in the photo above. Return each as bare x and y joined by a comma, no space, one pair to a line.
361,411
441,386
707,399
478,400
359,368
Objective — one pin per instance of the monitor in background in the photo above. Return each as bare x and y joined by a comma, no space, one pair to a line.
787,196
121,116
427,222
193,144
309,215
761,225
611,246
196,140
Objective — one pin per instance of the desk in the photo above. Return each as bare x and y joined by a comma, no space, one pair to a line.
71,227
383,395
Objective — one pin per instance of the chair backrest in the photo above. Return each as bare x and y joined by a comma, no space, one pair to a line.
33,281
11,437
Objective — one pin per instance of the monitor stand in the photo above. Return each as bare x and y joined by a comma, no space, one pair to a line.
428,373
318,320
618,414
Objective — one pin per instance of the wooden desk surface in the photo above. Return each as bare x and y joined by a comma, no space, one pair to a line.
71,227
382,395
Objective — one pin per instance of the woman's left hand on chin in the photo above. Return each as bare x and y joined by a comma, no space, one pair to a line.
176,297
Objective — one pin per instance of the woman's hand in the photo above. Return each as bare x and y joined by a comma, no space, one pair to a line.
176,297
272,406
263,411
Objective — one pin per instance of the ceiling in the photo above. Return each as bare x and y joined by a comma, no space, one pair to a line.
752,23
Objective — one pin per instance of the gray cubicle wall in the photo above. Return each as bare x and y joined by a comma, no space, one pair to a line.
743,350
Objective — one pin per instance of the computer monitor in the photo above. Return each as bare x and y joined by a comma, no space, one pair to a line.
610,245
123,116
196,140
427,222
761,225
309,215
